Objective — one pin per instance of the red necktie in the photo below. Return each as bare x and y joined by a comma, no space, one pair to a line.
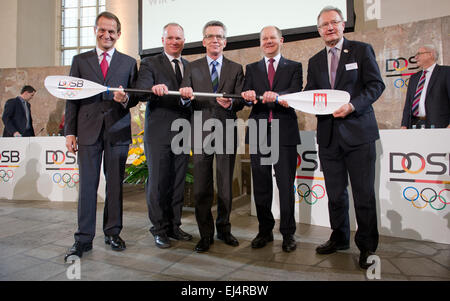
270,76
104,65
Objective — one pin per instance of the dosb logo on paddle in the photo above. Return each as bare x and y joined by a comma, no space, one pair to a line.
63,84
320,101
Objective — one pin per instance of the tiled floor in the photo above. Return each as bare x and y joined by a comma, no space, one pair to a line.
34,237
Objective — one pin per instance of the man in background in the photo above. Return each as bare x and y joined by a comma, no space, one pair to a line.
428,97
17,114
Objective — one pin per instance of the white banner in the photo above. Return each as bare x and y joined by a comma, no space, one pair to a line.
412,185
40,168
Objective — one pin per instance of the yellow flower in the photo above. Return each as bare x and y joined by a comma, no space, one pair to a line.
141,133
134,141
190,154
137,162
140,140
143,158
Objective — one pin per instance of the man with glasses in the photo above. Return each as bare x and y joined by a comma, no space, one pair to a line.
215,74
347,137
428,97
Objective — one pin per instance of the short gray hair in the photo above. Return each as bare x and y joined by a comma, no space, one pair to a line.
215,23
280,34
433,49
172,24
330,8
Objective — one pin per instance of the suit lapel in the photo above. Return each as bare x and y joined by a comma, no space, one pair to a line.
93,62
345,53
433,79
167,66
224,71
281,65
116,61
263,71
204,68
323,69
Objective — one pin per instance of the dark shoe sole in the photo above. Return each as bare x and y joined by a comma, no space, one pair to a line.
331,251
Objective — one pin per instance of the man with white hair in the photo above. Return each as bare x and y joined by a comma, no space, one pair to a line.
428,96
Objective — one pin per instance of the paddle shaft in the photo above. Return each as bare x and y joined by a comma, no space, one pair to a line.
176,93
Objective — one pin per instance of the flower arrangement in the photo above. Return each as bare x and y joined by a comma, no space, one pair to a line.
137,171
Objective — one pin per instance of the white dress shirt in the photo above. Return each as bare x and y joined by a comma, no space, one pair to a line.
422,111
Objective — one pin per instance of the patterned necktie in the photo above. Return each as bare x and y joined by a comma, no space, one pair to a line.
27,113
104,65
214,76
178,71
333,66
416,99
270,77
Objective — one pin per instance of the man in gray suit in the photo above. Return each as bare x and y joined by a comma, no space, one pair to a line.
99,127
214,73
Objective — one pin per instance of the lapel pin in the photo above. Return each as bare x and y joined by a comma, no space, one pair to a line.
345,50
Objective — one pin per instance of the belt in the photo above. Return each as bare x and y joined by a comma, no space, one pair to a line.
420,118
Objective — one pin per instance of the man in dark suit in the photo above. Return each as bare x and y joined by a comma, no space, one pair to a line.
17,115
99,127
214,73
167,170
347,138
272,76
428,97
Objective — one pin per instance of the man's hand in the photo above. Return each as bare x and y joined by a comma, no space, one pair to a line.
403,127
343,111
71,144
224,102
269,96
120,96
160,90
250,95
17,134
187,93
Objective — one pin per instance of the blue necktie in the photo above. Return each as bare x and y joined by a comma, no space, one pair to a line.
214,76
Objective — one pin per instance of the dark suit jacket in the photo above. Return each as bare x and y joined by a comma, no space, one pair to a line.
437,100
231,80
288,79
85,118
161,111
364,84
15,118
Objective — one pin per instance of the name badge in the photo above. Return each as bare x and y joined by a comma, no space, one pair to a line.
351,66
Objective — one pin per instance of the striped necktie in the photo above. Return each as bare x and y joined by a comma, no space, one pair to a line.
214,76
416,100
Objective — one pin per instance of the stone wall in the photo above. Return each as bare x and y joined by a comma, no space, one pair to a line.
393,45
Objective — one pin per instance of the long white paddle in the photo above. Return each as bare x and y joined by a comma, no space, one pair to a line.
318,102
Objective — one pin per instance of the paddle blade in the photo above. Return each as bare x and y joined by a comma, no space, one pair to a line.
317,102
67,87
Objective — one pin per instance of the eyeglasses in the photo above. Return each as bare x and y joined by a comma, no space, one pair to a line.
212,36
420,53
333,23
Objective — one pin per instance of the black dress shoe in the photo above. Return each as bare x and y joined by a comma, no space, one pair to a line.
77,250
117,243
162,241
289,243
179,234
203,244
363,259
261,240
228,238
331,246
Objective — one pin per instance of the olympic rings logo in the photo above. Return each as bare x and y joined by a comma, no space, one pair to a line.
316,192
400,83
428,196
66,179
6,175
